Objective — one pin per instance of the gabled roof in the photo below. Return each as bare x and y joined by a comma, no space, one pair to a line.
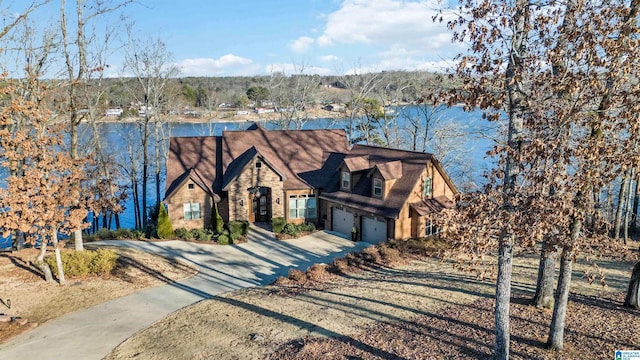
405,166
357,163
194,152
304,158
389,170
239,164
432,205
293,152
193,175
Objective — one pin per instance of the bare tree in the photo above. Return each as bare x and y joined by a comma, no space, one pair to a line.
150,63
294,95
78,38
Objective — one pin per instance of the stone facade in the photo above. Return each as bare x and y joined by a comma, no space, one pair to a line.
253,175
189,192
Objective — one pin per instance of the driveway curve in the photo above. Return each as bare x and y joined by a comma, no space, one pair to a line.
94,332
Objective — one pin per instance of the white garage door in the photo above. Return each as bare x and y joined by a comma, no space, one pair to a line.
342,222
374,231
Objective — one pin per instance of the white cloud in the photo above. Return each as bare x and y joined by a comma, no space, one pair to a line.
226,65
390,23
301,44
293,69
405,63
329,58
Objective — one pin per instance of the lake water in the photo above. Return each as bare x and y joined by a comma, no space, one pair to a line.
476,140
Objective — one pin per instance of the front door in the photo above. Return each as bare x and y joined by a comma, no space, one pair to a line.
260,205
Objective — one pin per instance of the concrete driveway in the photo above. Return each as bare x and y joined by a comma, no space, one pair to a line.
94,332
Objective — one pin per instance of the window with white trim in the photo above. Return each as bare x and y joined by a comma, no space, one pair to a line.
191,211
427,187
346,180
430,229
302,207
377,187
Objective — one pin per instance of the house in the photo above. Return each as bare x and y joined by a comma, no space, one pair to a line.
387,193
304,176
252,175
334,107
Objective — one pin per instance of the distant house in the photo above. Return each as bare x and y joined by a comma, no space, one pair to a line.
334,107
304,176
265,110
115,112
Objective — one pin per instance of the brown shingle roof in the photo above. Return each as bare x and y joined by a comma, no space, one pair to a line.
193,175
196,152
390,170
432,205
305,158
413,164
238,165
293,152
357,163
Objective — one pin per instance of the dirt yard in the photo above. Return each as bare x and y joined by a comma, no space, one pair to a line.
31,298
420,310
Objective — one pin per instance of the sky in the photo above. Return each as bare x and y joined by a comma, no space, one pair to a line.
257,37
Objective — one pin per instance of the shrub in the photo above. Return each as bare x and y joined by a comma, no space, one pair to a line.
389,255
372,255
122,233
165,230
297,276
224,239
184,234
137,234
83,263
217,224
104,234
238,228
245,227
291,229
201,234
318,272
103,262
277,224
341,265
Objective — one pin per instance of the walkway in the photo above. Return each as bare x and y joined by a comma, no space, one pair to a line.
94,332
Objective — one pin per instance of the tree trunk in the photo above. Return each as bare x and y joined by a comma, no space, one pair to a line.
546,275
136,202
117,219
158,143
633,295
48,277
618,219
627,208
636,199
556,331
145,166
54,238
609,204
503,297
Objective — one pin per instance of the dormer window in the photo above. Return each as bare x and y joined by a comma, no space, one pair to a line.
377,187
427,188
346,180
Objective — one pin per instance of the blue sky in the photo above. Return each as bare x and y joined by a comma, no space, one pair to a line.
255,37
